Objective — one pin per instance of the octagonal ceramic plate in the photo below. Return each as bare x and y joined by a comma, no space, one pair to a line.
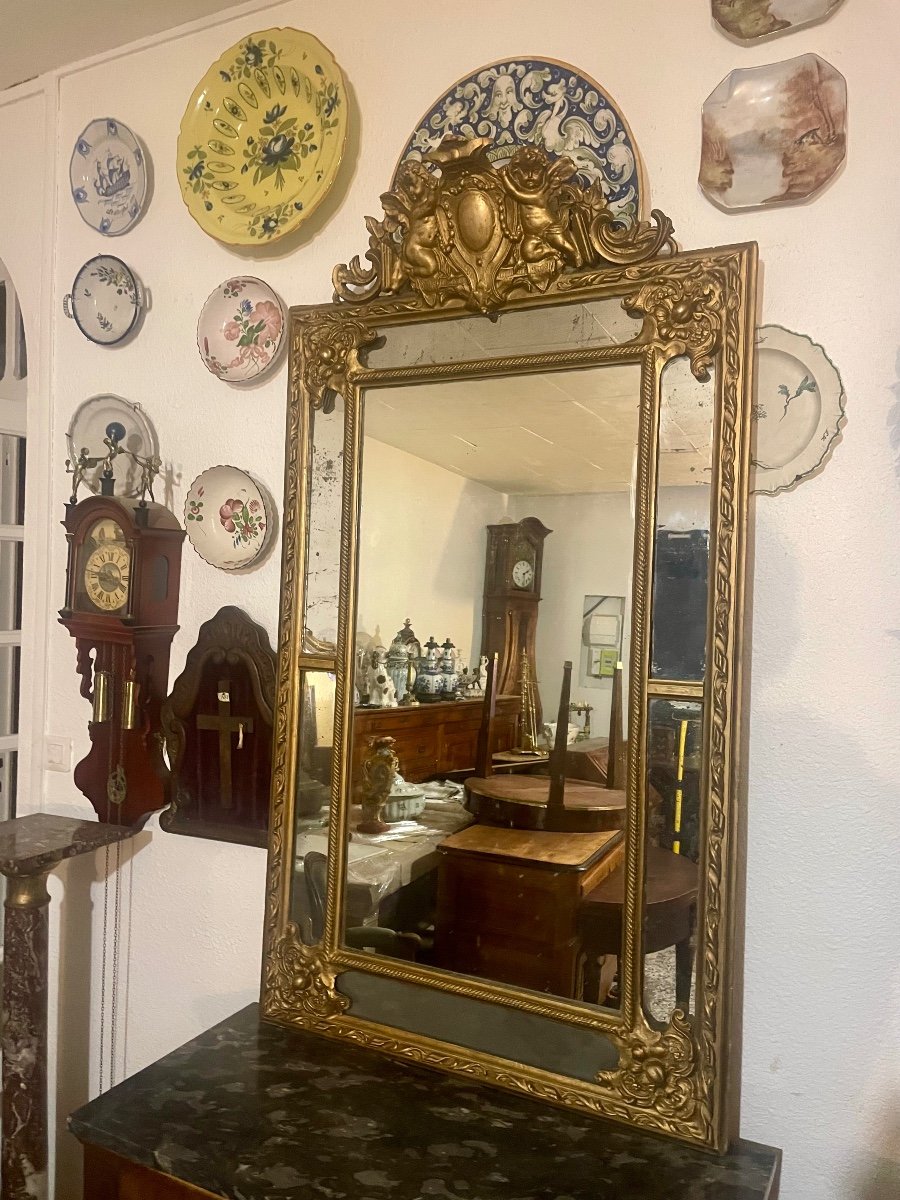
108,177
262,137
798,410
749,20
774,134
240,329
226,518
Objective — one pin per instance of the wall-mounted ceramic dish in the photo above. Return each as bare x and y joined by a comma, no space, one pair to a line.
240,329
528,102
108,176
262,137
105,301
798,411
226,518
748,20
91,423
774,134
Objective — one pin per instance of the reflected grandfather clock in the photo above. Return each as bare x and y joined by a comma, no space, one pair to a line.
512,593
121,608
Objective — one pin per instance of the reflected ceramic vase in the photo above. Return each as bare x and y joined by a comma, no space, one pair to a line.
430,679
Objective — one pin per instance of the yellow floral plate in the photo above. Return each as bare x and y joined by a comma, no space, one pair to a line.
262,137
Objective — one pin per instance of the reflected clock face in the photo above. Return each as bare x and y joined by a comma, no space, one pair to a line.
523,574
106,571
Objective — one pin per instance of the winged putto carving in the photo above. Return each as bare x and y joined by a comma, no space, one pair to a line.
475,234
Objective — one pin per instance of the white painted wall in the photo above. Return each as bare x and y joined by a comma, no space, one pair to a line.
422,547
822,1007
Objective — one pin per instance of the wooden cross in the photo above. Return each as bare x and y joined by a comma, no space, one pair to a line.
226,724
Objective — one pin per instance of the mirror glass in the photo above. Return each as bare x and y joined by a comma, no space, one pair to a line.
324,536
496,518
674,756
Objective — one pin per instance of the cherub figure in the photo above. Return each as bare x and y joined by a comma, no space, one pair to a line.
536,184
150,468
78,468
413,205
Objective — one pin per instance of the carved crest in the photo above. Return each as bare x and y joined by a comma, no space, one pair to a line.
480,235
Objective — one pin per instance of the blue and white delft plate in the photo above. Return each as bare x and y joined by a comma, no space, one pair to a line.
551,105
108,175
105,301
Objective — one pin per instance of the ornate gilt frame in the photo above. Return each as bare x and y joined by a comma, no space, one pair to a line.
480,239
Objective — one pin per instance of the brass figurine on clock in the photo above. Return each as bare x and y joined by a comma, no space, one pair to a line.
122,609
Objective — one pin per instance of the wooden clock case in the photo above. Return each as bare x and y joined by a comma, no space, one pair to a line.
510,613
131,646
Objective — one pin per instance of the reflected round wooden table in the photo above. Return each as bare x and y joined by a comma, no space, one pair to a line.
520,802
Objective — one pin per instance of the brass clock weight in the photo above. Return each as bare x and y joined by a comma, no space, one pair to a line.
121,607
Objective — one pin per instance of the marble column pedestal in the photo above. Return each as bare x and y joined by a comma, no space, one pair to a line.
30,847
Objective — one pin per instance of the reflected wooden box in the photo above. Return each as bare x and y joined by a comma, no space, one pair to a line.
508,903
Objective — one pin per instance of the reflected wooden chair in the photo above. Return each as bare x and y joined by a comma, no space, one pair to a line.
669,919
539,802
357,937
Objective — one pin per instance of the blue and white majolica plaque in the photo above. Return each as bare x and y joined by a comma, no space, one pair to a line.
108,175
531,102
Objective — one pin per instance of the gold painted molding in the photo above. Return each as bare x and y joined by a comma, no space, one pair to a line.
469,241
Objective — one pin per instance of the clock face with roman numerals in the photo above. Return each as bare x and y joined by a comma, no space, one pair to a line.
105,573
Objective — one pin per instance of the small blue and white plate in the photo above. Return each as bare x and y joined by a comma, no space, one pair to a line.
108,174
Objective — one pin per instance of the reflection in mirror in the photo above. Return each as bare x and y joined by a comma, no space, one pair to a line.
324,536
495,547
675,735
315,755
681,560
566,327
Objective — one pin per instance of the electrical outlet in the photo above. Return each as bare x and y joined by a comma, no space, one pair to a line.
58,754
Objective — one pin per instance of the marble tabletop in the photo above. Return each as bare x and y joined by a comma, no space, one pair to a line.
37,842
253,1111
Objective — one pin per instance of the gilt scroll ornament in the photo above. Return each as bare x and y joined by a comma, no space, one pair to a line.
478,235
301,978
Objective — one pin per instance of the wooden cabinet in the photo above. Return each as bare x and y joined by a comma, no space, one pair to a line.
508,903
107,1176
433,740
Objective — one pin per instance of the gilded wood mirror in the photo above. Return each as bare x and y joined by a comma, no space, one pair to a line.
509,851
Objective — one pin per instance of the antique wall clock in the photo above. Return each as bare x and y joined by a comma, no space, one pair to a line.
121,607
512,593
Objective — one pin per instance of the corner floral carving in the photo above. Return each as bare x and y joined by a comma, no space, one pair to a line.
300,979
324,352
478,235
656,1071
685,314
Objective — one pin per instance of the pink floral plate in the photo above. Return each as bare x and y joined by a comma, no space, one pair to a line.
240,329
226,518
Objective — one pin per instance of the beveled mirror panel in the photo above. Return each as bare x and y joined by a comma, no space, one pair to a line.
513,581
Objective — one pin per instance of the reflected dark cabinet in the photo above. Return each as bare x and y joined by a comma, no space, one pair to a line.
433,740
679,603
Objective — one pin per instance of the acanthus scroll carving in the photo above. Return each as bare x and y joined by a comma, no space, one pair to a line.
323,355
301,979
686,313
656,1071
478,235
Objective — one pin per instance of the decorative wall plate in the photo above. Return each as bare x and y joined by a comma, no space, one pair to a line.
262,136
226,518
105,300
91,423
240,329
538,102
774,134
748,20
108,176
798,411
